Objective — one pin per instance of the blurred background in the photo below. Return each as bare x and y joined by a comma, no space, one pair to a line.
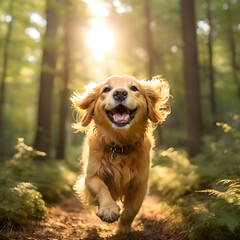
50,48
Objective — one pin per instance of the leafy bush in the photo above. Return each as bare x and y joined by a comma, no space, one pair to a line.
173,175
21,202
52,178
25,181
220,157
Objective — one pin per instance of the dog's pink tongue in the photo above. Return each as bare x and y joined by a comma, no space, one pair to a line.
121,118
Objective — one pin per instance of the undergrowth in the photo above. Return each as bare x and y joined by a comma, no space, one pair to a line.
21,202
206,188
226,207
173,174
26,185
220,155
220,168
223,218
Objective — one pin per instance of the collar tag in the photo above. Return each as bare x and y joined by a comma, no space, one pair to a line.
113,155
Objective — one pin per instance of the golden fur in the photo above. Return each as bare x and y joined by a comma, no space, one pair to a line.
107,180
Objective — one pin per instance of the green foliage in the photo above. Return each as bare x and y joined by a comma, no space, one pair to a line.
221,159
55,180
23,68
210,230
221,154
25,181
52,178
226,207
173,175
223,220
21,202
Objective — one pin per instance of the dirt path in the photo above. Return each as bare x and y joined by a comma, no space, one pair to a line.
70,220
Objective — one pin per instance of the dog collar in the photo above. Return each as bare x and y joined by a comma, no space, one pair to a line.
123,150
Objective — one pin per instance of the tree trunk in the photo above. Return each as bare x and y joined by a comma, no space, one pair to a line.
43,134
191,73
64,99
211,69
150,54
3,77
149,43
232,46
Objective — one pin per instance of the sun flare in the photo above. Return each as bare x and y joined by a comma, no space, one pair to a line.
100,38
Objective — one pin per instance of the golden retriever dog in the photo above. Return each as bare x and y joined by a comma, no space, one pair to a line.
119,113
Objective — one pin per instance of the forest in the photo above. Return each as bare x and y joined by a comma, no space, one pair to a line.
51,48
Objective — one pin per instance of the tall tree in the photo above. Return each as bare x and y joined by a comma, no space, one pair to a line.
191,73
64,97
148,35
211,69
232,46
43,133
150,53
4,74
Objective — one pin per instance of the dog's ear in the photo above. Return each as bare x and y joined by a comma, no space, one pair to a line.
157,95
87,104
84,106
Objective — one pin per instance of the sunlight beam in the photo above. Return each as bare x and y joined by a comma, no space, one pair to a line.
100,38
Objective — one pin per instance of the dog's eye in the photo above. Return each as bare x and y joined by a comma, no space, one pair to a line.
106,89
134,89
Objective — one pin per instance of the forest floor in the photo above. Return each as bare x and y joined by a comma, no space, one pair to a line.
70,220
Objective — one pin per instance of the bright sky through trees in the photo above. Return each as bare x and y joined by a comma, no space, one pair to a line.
100,38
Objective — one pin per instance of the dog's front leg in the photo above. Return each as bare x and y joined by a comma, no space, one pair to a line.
108,210
132,203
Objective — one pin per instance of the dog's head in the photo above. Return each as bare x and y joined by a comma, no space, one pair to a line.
122,103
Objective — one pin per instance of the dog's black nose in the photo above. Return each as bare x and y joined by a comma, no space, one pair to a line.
120,94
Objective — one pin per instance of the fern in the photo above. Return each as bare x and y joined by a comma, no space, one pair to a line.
220,158
225,209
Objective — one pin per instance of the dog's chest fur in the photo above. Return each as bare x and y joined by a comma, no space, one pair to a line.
117,173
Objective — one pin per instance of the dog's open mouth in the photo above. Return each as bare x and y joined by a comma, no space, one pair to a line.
121,115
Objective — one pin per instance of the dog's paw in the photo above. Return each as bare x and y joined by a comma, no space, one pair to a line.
124,229
109,212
